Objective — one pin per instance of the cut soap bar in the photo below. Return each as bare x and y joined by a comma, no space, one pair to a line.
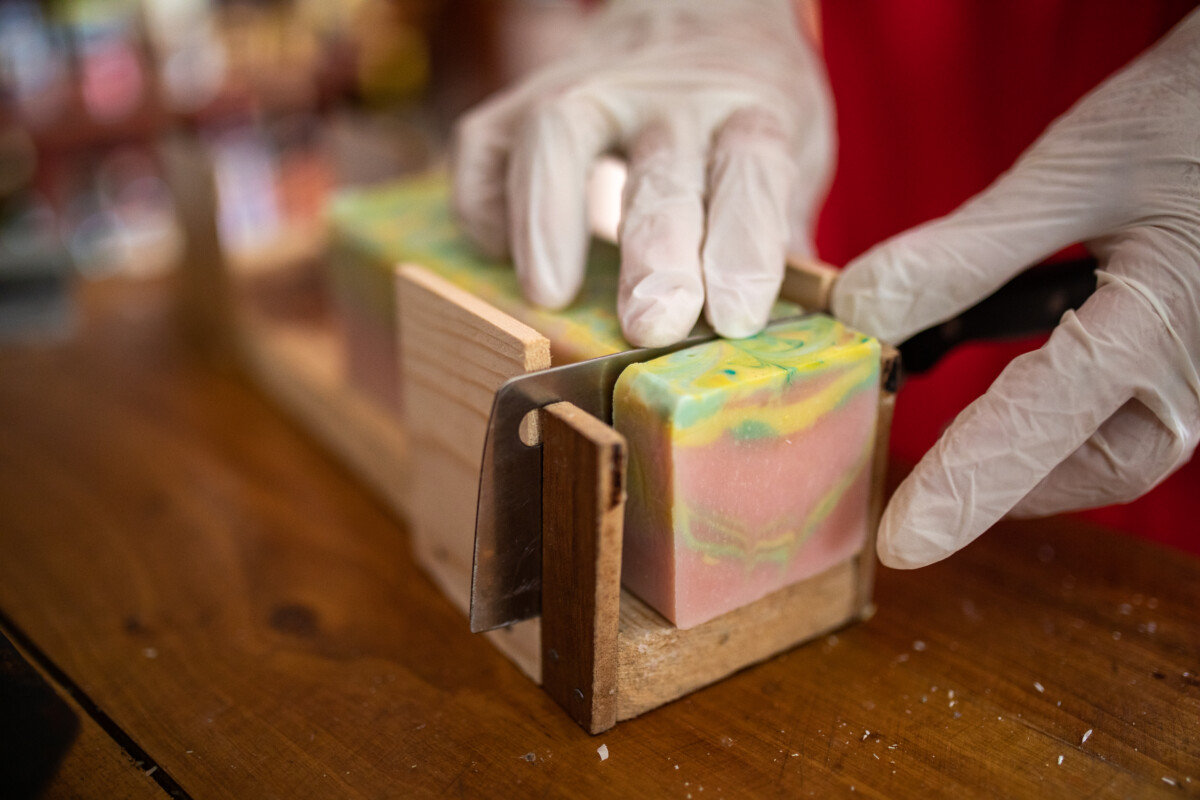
749,465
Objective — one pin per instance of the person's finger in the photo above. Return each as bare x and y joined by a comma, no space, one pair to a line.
1040,410
547,189
1130,454
661,290
751,178
1054,196
1154,433
479,169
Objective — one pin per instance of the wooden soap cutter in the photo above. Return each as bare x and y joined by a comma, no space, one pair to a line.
506,573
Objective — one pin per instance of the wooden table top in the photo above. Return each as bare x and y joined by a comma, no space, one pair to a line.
231,615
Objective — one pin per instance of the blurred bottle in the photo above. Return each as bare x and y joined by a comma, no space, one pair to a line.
34,77
192,59
106,36
393,51
122,219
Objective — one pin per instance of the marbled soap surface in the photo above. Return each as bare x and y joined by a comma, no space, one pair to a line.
749,464
410,222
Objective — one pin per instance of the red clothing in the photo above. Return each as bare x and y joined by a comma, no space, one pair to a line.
935,98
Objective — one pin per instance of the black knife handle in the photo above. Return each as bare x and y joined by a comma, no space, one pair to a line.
1033,302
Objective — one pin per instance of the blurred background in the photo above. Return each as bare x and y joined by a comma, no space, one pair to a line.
135,134
194,140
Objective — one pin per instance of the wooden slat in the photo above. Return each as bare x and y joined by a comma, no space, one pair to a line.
808,283
301,369
583,507
888,362
455,351
660,663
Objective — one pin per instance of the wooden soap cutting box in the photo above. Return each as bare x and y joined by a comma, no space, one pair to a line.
604,655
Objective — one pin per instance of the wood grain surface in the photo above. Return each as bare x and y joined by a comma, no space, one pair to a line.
93,764
251,617
583,518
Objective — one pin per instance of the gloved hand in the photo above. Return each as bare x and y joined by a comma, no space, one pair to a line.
1110,406
723,112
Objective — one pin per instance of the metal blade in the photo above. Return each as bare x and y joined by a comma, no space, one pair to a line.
506,581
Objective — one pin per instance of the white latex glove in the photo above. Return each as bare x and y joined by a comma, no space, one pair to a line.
723,112
1110,406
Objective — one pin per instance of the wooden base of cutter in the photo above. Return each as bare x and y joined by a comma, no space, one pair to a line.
602,654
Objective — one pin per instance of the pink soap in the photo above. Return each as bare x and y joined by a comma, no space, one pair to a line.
749,465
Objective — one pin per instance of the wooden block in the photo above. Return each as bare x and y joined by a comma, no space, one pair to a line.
300,368
455,352
808,283
583,507
889,362
658,663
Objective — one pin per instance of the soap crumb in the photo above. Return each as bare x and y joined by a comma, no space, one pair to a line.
919,646
530,757
1060,761
1039,686
603,751
1086,735
1170,781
